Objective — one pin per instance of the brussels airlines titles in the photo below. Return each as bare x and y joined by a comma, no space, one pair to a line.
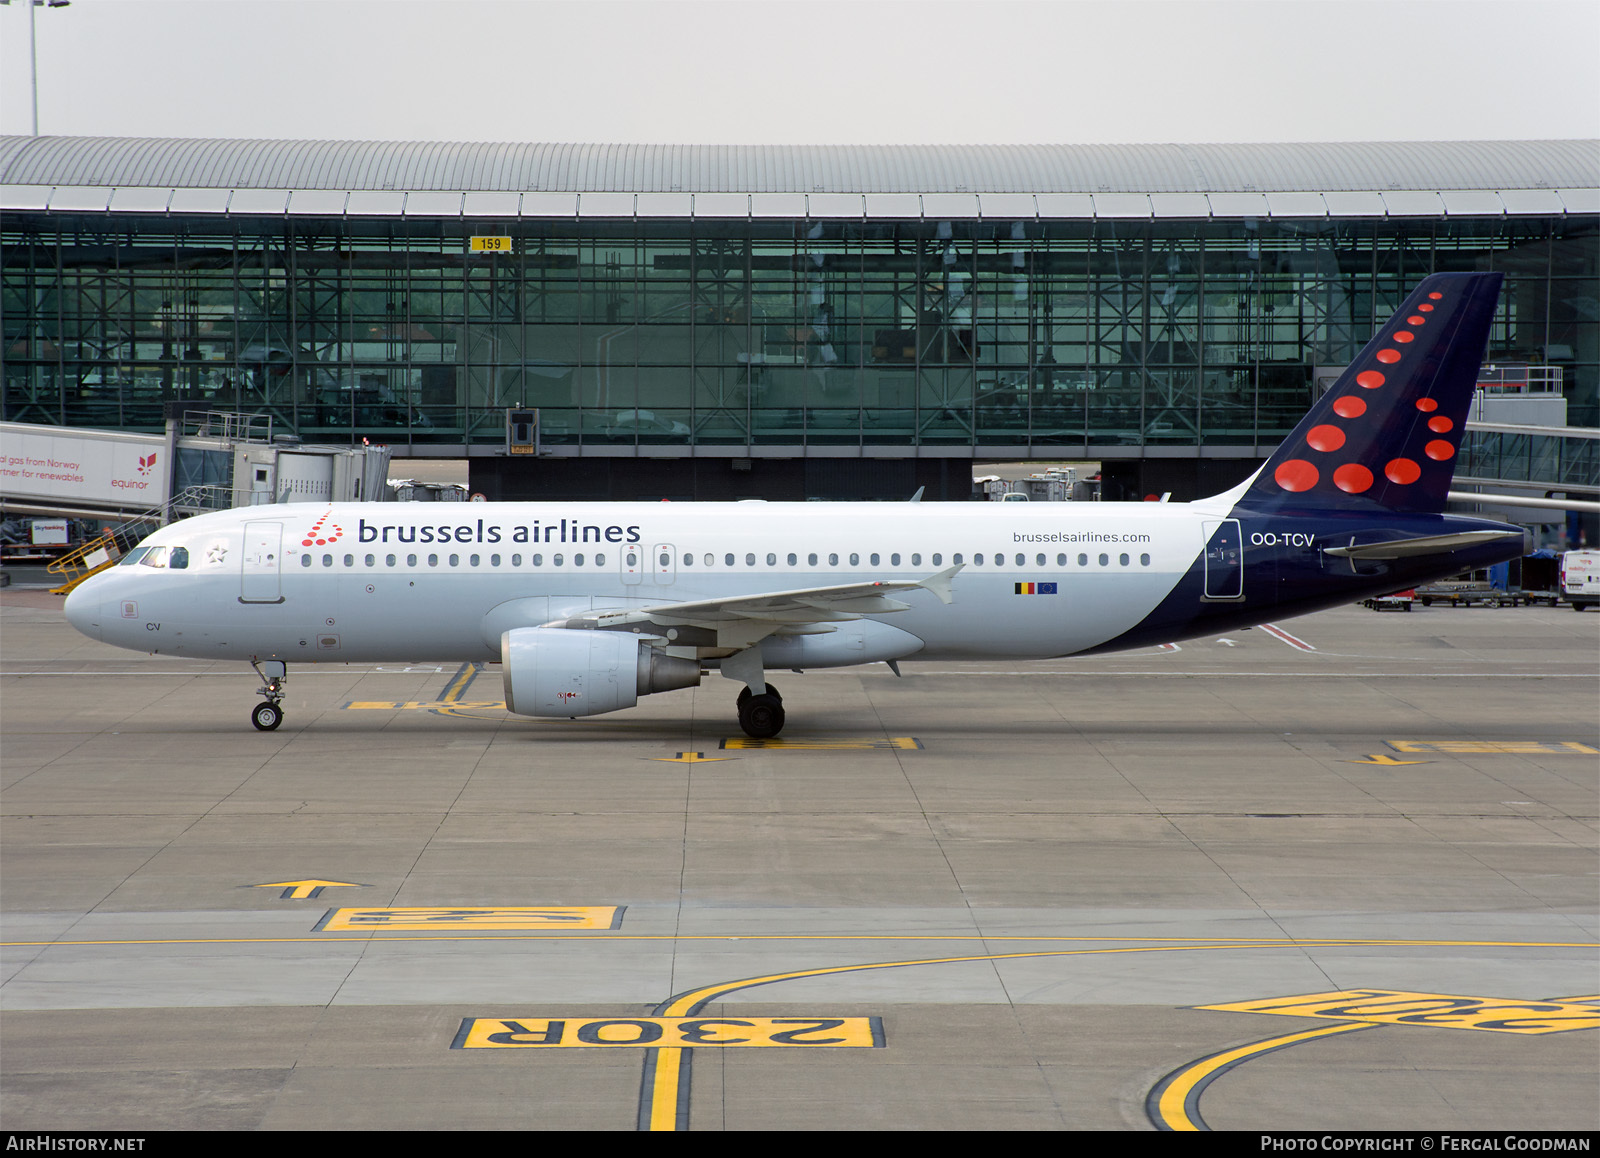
562,531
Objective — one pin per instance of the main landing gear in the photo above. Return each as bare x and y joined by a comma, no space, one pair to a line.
761,717
268,714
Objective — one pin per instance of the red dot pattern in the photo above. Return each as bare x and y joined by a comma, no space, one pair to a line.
1325,438
317,537
1352,478
1402,471
1296,475
1328,438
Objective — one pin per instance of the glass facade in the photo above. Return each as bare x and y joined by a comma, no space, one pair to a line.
1106,338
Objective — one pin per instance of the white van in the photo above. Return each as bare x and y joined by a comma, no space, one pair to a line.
1580,578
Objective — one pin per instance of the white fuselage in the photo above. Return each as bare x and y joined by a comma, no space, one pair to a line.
364,582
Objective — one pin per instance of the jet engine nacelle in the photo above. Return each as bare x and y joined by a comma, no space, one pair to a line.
556,671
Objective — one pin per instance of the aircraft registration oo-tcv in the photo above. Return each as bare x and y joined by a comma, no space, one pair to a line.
589,606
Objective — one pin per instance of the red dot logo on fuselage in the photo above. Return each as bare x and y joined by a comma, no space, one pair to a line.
323,532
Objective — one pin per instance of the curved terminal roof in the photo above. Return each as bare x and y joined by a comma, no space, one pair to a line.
453,178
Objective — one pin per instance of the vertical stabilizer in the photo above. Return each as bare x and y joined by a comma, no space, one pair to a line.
1388,432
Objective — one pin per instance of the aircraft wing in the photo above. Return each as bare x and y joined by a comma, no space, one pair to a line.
742,620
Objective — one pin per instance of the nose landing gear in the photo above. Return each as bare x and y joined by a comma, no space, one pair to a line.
761,717
268,714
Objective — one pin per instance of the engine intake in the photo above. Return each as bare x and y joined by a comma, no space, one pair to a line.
554,671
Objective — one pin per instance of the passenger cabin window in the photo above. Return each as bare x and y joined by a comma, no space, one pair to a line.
411,560
305,560
793,559
729,560
811,559
349,560
388,560
833,559
937,559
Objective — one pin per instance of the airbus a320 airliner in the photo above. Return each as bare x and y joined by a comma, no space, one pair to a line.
589,606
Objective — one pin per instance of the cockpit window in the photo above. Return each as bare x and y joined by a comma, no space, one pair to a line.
179,558
133,556
155,557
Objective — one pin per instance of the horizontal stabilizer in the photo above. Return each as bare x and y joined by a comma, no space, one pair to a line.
1428,545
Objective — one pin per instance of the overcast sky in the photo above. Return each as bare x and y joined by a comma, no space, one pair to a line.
820,72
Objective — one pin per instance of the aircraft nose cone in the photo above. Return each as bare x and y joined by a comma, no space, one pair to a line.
83,612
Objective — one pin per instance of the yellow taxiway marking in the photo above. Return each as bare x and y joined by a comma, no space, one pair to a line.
300,890
422,919
1433,1010
1386,761
669,1032
421,705
1174,1104
690,758
664,1096
1496,747
1177,942
821,744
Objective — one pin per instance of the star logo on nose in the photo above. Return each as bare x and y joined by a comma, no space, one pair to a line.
217,553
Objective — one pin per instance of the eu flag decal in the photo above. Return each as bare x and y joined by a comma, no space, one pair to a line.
1035,589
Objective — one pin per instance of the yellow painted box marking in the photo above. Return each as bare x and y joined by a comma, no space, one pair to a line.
901,743
1496,747
1433,1010
669,1032
440,919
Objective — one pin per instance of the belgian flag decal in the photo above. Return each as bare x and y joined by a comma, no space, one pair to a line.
1035,589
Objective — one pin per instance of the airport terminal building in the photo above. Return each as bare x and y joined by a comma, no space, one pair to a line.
764,321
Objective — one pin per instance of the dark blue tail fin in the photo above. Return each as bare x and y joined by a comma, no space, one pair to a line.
1388,432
